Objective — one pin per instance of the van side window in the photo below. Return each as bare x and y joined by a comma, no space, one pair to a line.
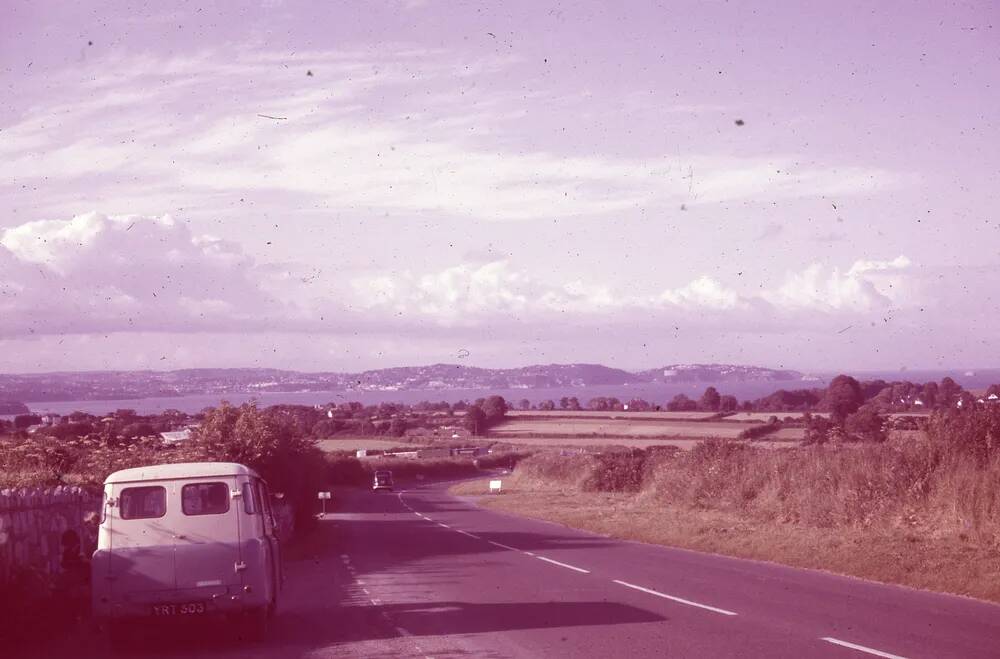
143,502
205,498
250,504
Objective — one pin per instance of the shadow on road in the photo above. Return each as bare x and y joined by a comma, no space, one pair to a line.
444,618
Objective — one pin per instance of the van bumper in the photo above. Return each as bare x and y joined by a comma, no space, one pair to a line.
232,600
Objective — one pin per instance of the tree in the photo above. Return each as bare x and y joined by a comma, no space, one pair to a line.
681,403
638,405
574,404
397,427
563,403
948,392
866,424
728,403
817,429
22,421
289,462
843,397
524,404
475,420
547,405
495,407
710,400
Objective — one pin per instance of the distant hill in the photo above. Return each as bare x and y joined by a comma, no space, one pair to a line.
717,373
123,385
12,407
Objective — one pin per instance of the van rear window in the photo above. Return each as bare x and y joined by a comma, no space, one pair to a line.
205,498
143,502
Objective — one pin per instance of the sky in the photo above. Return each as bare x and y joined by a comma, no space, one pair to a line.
355,185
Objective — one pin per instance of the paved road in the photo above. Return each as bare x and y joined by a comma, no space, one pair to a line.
421,573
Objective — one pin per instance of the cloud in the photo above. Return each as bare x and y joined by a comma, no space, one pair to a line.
864,286
132,273
392,132
703,292
95,273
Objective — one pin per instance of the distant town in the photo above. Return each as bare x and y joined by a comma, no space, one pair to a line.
124,385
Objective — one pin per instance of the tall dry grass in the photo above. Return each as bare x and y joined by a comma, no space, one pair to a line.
922,486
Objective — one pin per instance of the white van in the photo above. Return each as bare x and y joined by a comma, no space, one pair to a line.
186,540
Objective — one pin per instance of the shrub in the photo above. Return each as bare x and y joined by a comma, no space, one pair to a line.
760,430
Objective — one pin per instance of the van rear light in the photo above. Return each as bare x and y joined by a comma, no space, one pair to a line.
247,589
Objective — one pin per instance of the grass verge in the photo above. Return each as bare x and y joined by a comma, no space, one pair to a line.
889,555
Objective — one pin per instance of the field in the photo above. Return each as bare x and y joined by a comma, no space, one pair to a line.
585,414
623,425
630,442
349,444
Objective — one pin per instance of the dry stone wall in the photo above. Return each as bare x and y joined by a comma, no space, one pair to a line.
32,523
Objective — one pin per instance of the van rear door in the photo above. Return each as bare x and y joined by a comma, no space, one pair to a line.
207,543
141,556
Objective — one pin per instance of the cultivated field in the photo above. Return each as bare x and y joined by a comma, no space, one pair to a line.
587,414
350,444
629,442
625,425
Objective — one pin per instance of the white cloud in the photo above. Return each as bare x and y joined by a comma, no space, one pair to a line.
703,292
864,286
95,272
354,135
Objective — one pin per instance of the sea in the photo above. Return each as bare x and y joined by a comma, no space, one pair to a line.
657,394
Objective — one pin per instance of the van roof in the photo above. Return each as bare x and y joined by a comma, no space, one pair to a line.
179,470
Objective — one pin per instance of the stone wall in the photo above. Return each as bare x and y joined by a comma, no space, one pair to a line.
33,520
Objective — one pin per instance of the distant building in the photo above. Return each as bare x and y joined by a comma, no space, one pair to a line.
176,436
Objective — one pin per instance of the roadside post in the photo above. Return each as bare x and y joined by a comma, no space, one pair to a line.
495,487
323,496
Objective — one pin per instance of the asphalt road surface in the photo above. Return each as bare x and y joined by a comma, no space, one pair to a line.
420,573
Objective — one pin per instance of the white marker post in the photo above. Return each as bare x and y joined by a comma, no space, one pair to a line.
495,487
323,496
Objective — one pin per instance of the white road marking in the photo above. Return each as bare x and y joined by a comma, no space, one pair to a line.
366,591
565,565
502,545
417,514
402,632
861,648
675,599
445,526
471,535
376,602
528,553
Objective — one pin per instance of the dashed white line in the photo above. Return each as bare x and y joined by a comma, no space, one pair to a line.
861,648
565,565
502,545
444,526
471,535
528,553
417,514
674,599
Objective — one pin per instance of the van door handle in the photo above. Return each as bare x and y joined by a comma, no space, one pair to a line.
240,566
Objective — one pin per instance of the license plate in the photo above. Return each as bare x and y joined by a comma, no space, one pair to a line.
193,608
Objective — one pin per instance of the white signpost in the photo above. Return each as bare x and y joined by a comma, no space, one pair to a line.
323,496
495,487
